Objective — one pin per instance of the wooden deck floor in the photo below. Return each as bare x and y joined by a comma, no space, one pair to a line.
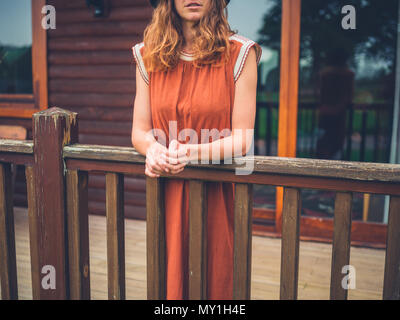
314,272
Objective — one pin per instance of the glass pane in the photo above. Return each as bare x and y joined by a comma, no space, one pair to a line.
260,20
15,46
346,91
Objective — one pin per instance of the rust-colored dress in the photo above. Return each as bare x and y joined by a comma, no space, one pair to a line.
197,98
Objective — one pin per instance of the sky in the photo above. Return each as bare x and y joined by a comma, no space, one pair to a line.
15,22
246,16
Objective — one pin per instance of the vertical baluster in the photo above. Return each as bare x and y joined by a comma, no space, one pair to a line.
341,244
115,236
290,243
33,232
391,282
78,234
242,241
155,234
197,241
8,266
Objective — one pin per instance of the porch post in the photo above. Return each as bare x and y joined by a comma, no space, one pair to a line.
52,130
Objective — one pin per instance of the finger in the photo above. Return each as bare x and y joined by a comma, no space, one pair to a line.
150,174
152,171
178,168
178,160
163,164
177,171
154,166
156,171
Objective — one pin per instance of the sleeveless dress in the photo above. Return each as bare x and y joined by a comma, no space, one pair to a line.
197,98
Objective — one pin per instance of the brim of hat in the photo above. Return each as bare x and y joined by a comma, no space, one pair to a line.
154,3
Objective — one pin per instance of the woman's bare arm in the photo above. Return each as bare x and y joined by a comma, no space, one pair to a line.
141,126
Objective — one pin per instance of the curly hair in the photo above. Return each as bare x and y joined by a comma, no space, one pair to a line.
164,40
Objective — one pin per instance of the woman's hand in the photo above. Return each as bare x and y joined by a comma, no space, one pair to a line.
176,156
156,160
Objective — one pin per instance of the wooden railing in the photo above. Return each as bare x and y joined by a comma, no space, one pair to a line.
57,170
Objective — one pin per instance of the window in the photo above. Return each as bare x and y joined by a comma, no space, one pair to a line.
23,58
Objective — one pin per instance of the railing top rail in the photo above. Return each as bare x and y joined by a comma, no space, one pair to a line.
16,146
358,171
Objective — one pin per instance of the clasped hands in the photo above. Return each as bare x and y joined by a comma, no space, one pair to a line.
162,160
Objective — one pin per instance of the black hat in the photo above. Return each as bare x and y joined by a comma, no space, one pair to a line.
154,3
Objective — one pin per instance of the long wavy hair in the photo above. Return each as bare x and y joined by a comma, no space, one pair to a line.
164,40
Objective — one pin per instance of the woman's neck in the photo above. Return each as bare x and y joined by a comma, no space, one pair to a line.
188,34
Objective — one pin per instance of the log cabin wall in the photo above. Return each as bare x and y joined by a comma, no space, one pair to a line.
91,71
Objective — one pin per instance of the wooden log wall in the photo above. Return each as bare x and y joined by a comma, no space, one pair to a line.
92,72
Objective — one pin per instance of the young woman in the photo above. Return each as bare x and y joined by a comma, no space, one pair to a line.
194,74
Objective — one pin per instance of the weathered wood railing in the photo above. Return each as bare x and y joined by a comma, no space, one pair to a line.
57,183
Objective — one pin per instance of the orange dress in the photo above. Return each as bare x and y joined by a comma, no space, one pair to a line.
190,97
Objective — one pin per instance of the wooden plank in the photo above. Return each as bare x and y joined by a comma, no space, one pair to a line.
103,114
17,158
92,99
197,240
92,72
20,113
115,236
136,167
302,167
341,244
99,29
78,234
288,92
53,129
290,243
115,128
13,132
391,282
92,86
16,146
155,239
369,233
85,58
93,43
63,5
108,138
8,265
242,241
33,232
132,13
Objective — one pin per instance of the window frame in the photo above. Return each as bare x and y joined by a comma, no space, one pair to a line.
25,105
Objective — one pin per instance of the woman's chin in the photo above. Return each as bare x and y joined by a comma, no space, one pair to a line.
193,17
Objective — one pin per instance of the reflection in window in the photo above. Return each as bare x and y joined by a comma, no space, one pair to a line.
347,77
15,47
346,92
